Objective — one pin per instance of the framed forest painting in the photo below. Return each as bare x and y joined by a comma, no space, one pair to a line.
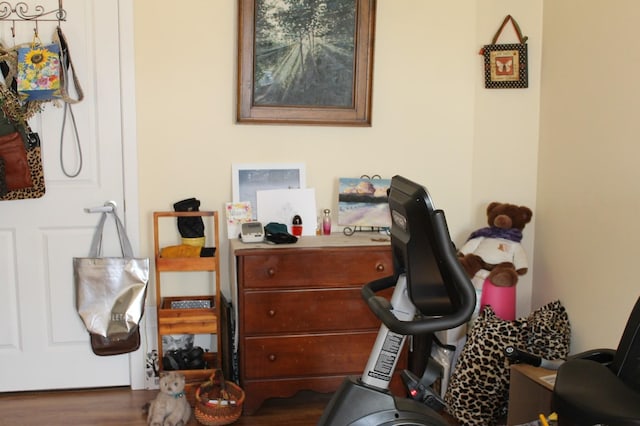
305,61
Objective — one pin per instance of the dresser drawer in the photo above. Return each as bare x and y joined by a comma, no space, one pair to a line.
311,267
291,311
312,355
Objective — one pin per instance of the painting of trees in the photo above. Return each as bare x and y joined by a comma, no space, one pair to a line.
304,52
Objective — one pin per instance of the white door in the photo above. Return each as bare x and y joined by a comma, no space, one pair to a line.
43,344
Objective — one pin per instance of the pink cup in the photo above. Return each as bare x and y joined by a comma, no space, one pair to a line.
501,299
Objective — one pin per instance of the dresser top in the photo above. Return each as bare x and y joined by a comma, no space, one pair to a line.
320,241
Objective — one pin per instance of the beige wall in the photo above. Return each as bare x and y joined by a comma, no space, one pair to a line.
505,148
432,119
587,231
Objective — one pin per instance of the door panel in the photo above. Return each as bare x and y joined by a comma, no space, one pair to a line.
8,293
43,343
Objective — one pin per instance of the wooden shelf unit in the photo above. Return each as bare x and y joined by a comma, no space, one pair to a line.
189,321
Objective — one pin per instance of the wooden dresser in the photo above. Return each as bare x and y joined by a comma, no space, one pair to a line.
302,323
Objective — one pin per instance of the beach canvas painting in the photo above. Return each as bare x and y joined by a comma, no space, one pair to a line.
363,202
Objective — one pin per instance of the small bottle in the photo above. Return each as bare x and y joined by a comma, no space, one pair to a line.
326,222
296,226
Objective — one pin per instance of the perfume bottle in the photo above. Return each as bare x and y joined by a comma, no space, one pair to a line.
296,226
326,222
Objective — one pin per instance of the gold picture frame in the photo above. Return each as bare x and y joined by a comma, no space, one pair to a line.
290,74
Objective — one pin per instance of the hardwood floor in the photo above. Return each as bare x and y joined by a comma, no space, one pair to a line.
117,406
123,407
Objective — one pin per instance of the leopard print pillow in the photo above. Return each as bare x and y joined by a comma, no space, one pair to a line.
478,390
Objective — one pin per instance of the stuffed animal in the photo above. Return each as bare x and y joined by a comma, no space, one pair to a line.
170,408
495,252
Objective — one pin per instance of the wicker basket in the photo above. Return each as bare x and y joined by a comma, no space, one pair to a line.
218,402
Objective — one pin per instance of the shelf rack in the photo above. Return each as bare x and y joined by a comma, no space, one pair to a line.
189,321
20,12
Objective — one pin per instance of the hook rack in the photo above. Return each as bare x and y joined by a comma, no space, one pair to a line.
21,12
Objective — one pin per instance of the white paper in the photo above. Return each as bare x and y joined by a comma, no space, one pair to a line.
281,205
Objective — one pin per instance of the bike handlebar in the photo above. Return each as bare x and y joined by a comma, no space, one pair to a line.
444,250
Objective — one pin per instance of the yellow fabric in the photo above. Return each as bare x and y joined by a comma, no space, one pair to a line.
198,242
182,250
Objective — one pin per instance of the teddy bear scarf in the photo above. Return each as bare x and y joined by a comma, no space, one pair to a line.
511,234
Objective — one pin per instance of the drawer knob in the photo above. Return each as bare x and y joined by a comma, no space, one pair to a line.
380,267
272,313
271,272
272,357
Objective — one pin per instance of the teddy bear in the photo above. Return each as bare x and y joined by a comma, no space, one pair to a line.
495,252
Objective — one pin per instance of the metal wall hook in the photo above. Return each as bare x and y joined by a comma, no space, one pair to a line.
21,12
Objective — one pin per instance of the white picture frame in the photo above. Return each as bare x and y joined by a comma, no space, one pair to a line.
249,178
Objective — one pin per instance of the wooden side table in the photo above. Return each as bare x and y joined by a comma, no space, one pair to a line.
530,392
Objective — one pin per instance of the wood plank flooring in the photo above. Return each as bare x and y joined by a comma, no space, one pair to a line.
123,407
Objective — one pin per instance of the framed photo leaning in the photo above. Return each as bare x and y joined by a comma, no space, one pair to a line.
305,62
249,178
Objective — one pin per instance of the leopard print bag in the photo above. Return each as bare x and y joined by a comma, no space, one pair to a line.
14,116
478,390
34,161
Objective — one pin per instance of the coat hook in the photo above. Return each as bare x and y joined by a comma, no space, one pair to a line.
61,13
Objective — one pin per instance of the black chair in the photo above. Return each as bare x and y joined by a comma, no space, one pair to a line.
602,386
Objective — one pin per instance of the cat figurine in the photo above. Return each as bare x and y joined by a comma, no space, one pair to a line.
170,408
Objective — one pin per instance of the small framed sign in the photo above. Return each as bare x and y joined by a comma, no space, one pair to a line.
505,65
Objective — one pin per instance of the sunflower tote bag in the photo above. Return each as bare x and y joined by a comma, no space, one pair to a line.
111,291
39,72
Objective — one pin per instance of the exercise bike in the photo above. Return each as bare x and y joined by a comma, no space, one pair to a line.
432,293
